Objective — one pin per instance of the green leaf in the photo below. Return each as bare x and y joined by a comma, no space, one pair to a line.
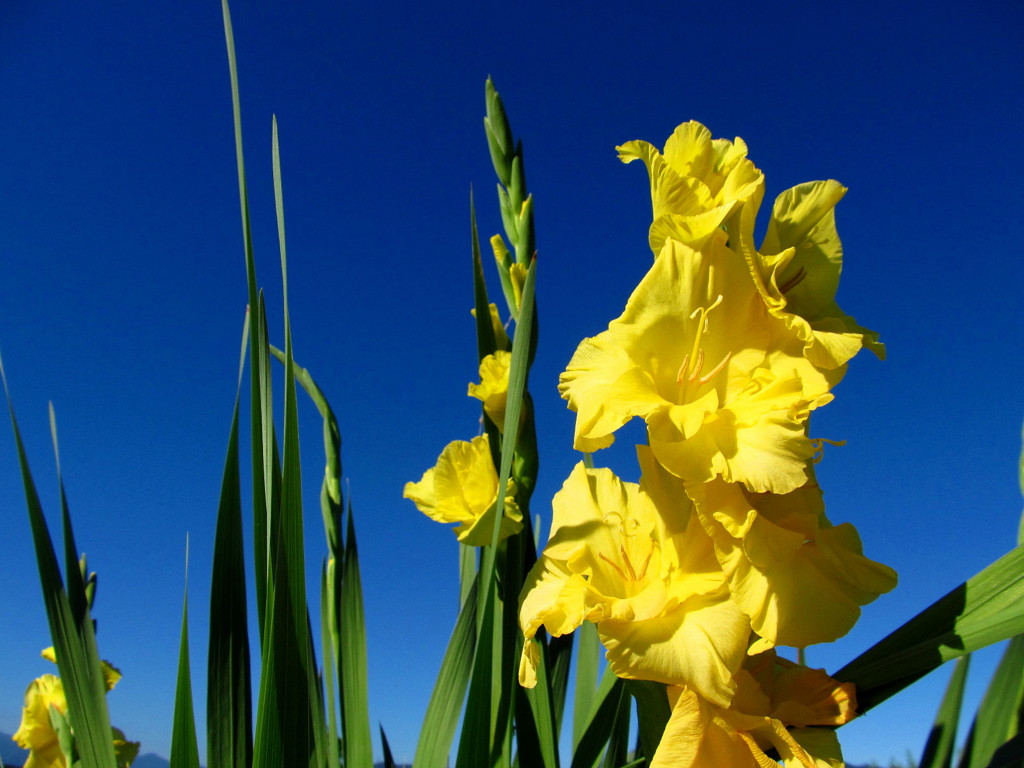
184,747
618,741
999,715
485,341
442,716
938,750
588,657
653,712
355,716
536,731
265,467
598,725
389,761
1010,755
987,608
71,626
329,642
229,687
479,726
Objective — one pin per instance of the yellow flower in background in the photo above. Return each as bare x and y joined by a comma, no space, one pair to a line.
797,271
111,674
652,586
697,355
696,184
36,733
501,340
800,579
463,488
493,387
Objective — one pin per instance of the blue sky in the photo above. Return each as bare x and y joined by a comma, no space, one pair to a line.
122,278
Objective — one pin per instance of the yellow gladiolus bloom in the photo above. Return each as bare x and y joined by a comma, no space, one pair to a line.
696,184
463,488
111,674
797,269
702,735
781,554
35,733
493,387
698,356
658,597
792,693
501,340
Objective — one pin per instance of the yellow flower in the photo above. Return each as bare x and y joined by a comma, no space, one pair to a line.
463,488
650,583
792,693
697,355
702,735
781,556
111,674
797,271
493,387
501,340
696,184
36,733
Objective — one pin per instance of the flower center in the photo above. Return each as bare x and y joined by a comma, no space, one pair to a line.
630,562
692,369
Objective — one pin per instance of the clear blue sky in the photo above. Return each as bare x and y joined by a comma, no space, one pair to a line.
122,284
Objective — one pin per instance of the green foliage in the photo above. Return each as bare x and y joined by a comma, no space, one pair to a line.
938,750
184,747
987,608
68,614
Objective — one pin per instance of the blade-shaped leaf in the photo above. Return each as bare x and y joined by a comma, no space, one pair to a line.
229,687
442,716
71,628
355,715
597,728
987,608
389,761
588,657
998,718
652,711
938,749
184,747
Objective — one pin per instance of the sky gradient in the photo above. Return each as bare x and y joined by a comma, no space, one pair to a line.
122,284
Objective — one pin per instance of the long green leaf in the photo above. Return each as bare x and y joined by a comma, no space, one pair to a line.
184,747
479,735
652,711
999,715
541,748
598,724
442,715
389,761
354,687
228,674
1010,754
617,751
329,642
938,749
260,401
987,608
71,628
588,658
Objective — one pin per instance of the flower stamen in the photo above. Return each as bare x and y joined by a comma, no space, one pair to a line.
794,281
